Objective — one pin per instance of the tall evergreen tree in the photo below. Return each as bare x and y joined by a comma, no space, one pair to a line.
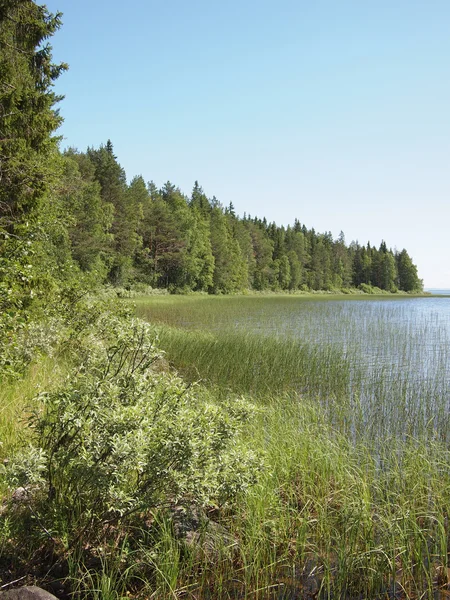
27,114
199,200
230,268
28,149
112,179
164,245
295,271
88,219
263,250
200,259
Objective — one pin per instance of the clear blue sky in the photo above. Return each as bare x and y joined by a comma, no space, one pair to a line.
334,112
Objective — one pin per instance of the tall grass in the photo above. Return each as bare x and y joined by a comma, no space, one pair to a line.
326,519
16,398
354,427
380,366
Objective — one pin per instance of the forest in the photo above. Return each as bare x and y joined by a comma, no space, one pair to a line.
138,233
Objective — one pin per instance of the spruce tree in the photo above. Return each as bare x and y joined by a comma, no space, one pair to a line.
27,114
408,280
28,150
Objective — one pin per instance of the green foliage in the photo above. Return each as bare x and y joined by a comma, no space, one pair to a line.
126,211
29,166
230,268
120,436
27,117
88,218
164,245
200,260
137,233
371,289
284,276
408,280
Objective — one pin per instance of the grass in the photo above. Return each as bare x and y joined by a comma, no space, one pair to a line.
379,366
16,401
355,495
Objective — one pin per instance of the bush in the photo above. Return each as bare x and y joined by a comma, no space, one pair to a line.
118,437
371,289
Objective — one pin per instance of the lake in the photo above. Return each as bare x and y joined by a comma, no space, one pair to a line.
383,363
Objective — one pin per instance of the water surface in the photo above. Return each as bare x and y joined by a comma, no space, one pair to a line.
395,352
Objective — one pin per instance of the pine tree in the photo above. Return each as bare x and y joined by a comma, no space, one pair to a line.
342,263
200,259
114,191
27,114
230,267
199,200
295,271
163,255
262,250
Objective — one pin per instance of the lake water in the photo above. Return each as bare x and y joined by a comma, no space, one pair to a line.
398,352
393,353
438,291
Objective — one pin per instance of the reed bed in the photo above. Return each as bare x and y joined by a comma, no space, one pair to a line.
353,425
351,499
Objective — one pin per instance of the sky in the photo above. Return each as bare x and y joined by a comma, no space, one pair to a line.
334,113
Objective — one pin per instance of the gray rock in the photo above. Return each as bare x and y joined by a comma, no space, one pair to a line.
20,495
31,592
199,532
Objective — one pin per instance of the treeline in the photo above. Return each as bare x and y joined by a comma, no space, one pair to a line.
138,233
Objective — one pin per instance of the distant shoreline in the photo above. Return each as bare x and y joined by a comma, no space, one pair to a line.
438,291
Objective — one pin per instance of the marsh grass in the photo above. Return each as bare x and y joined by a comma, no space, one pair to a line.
353,425
326,519
244,363
381,366
16,398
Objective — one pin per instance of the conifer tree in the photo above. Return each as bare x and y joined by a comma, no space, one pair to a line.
88,219
28,148
199,200
295,271
263,250
230,268
27,114
200,259
114,191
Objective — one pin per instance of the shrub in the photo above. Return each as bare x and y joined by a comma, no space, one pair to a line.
119,437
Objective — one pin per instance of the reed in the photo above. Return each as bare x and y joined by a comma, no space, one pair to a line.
16,401
354,498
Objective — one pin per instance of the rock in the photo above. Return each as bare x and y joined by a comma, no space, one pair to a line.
31,592
192,525
20,495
